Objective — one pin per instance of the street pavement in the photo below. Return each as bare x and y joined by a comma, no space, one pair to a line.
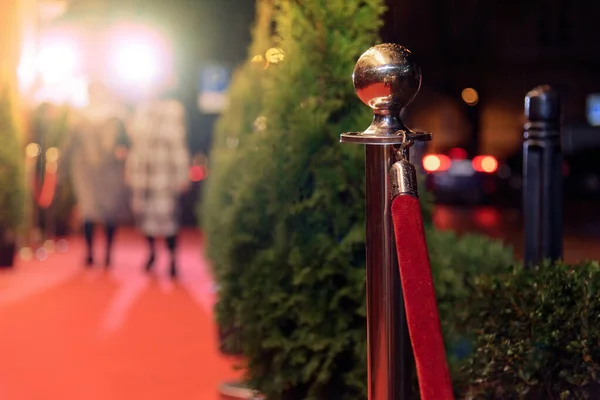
581,240
71,333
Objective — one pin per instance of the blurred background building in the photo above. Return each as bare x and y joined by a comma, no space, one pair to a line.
501,50
478,59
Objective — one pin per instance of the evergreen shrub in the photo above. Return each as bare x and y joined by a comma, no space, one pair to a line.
535,333
284,207
11,174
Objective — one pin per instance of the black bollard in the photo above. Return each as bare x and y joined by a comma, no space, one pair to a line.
542,176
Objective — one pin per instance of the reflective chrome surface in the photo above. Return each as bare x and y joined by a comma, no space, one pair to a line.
403,179
369,138
387,79
389,350
403,175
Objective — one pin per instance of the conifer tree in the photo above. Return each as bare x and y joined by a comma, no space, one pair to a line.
229,151
11,172
284,207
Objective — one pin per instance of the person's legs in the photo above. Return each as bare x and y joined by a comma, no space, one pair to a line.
152,256
110,235
88,233
172,246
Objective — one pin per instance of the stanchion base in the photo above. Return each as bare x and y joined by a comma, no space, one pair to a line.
238,391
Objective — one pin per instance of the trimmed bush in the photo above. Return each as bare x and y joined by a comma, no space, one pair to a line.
284,206
456,263
535,333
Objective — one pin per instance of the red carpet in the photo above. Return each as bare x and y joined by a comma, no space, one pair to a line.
70,333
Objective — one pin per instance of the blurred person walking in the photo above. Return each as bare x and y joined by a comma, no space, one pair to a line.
157,172
94,149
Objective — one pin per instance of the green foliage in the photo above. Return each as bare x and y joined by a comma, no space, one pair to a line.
231,149
456,264
11,172
284,206
284,217
536,334
51,124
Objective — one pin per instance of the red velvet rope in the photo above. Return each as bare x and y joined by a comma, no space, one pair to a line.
419,300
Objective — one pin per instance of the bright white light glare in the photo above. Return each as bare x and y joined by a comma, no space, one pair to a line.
72,91
57,61
136,62
26,71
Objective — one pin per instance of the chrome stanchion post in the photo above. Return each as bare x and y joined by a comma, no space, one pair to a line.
386,78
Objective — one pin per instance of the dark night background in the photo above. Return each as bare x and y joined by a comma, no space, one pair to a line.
502,49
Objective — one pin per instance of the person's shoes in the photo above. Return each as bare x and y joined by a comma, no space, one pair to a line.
150,262
173,270
89,261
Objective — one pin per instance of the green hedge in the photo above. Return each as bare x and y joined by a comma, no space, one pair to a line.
284,207
535,333
457,263
11,173
284,218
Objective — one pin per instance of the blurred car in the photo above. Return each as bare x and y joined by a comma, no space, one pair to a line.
581,175
454,177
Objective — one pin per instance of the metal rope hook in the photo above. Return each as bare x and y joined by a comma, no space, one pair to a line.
403,175
417,282
402,148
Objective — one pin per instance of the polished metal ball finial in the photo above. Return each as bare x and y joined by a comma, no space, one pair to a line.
386,78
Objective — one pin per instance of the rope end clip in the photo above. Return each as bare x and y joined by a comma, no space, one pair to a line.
403,175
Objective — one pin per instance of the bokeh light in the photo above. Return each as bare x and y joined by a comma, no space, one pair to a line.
57,61
26,253
487,164
436,162
33,150
52,154
260,124
470,96
197,173
136,61
62,245
431,163
50,246
41,254
275,55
